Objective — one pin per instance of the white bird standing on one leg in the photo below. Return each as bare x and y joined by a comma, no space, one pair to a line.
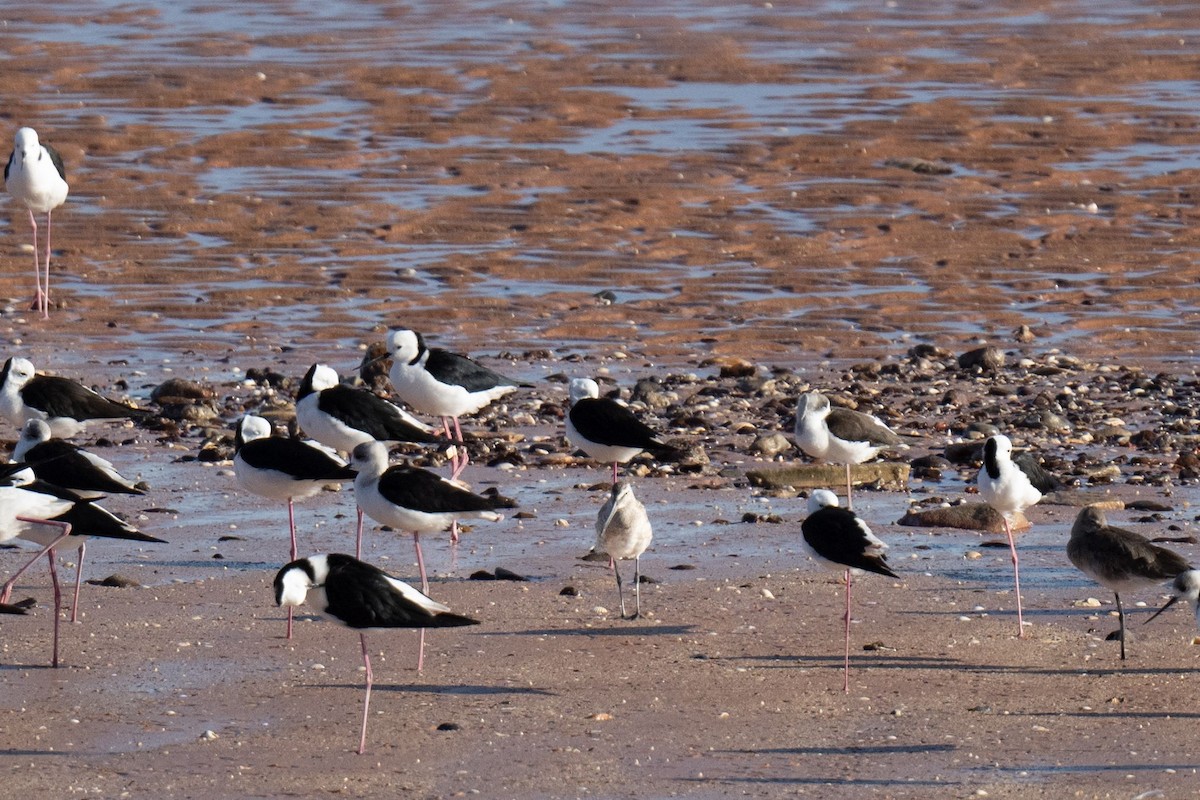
1004,487
35,176
363,597
839,435
837,538
623,532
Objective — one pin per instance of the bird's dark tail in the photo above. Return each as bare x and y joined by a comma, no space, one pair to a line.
448,620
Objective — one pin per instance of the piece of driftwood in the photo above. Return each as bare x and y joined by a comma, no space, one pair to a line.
889,474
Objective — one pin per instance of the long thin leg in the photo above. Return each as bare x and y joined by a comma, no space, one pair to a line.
448,431
37,272
358,537
53,556
425,589
849,501
46,283
846,670
78,581
614,473
620,589
637,587
1012,547
362,739
6,592
1121,617
465,457
295,554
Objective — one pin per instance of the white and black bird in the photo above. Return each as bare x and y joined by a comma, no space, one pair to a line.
35,176
1119,560
65,405
56,519
283,469
363,597
343,417
623,532
442,383
1187,588
412,499
607,430
61,463
838,539
840,435
1004,486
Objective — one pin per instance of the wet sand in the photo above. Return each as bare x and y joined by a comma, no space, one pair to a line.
812,190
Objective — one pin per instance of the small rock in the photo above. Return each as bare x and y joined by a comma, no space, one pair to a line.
116,581
770,444
982,359
449,726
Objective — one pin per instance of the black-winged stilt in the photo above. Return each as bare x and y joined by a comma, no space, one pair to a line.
1006,488
623,532
65,405
840,435
1119,560
363,597
442,383
837,538
61,463
35,176
606,430
54,518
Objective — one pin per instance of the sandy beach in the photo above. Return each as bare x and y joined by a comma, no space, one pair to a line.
744,203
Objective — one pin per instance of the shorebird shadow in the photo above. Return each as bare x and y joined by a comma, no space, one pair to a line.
637,630
471,690
30,753
219,563
871,661
850,751
892,783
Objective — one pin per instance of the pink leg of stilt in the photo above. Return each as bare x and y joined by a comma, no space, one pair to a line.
78,581
37,272
465,457
448,431
6,592
849,502
362,739
295,551
1012,547
425,590
614,473
53,556
358,538
46,283
846,669
454,532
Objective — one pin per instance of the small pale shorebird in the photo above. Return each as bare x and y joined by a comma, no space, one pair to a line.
1187,587
838,539
35,176
65,405
1119,560
444,384
840,435
413,499
623,532
1006,488
280,468
606,430
362,597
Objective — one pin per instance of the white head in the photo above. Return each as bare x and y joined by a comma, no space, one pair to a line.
579,388
822,498
813,404
405,346
369,458
324,377
295,579
26,142
34,432
17,372
252,427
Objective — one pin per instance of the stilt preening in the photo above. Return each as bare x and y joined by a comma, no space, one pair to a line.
65,405
414,499
444,384
56,519
35,176
1119,560
623,532
1006,488
66,465
363,597
837,538
283,469
606,430
840,435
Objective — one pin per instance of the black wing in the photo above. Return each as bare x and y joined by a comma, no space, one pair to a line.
56,160
361,596
458,370
605,421
89,520
421,490
8,166
367,412
63,464
291,456
836,534
60,397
